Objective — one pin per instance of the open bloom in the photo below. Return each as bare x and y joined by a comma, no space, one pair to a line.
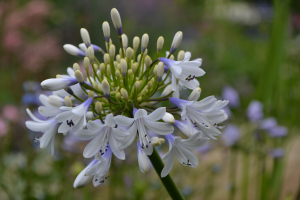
185,71
101,135
141,122
48,127
96,170
73,118
205,114
179,148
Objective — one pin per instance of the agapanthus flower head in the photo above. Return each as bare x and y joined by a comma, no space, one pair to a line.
112,103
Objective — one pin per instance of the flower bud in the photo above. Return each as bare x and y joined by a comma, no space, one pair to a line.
176,42
145,40
125,41
112,51
139,58
68,101
106,31
90,53
89,115
156,141
86,63
118,58
136,43
160,71
123,67
124,94
130,72
95,85
108,70
118,74
95,67
168,118
85,37
129,53
76,67
100,87
171,57
143,159
118,95
167,90
150,84
55,100
148,61
145,53
160,43
137,85
118,66
82,180
195,94
121,52
79,77
116,19
139,99
102,67
134,67
71,49
106,58
98,107
91,94
180,55
106,88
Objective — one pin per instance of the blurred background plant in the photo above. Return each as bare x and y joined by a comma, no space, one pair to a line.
250,51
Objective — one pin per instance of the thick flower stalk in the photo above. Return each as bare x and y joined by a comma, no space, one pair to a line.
114,105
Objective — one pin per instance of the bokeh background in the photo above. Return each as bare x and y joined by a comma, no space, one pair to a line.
251,55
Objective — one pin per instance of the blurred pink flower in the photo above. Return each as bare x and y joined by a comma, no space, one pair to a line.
3,127
11,112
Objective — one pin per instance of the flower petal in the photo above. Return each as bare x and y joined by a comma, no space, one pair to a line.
159,127
156,114
123,121
115,149
169,159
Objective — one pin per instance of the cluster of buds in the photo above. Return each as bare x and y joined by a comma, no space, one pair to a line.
114,104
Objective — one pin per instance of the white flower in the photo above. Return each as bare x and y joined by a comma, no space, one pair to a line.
205,114
48,127
101,135
141,122
47,110
73,119
184,73
179,148
96,170
142,159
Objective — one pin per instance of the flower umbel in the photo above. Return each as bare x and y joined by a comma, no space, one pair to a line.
115,105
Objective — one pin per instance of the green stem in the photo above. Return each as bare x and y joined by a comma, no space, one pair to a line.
167,181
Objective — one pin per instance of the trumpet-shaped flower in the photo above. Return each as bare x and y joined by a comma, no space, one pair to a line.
101,135
205,114
141,122
180,148
48,127
96,170
73,119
